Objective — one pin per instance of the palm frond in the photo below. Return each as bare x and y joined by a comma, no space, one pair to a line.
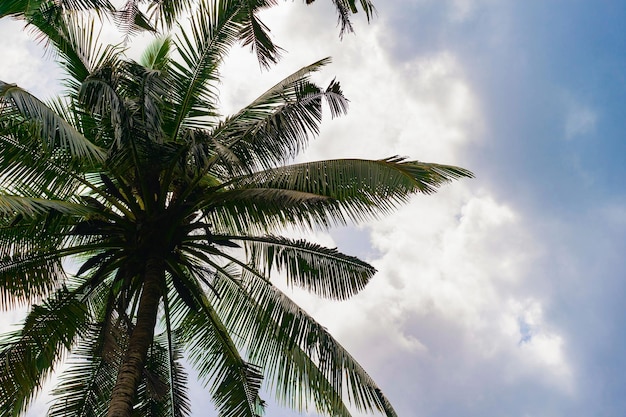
157,55
56,134
163,392
27,170
278,125
255,34
362,188
26,278
296,326
214,28
265,210
85,387
234,383
28,206
166,379
323,271
28,355
347,7
26,8
166,12
303,361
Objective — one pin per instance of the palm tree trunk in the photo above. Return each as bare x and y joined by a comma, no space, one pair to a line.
131,371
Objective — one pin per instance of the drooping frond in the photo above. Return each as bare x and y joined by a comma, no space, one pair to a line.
26,278
302,359
167,12
163,392
234,383
345,8
255,34
28,355
323,271
85,387
56,134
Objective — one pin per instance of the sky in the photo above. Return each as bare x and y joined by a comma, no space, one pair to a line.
503,295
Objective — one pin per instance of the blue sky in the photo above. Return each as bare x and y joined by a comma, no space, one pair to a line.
499,296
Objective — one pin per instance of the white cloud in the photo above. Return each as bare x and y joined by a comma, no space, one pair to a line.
579,119
24,61
450,297
423,108
449,304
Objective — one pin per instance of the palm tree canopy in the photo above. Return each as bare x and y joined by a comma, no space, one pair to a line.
139,226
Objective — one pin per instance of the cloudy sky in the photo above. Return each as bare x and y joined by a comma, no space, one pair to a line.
498,296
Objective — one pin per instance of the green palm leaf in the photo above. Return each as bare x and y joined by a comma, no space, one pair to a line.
28,355
362,188
323,271
56,134
302,359
277,125
214,28
255,34
234,383
28,206
85,387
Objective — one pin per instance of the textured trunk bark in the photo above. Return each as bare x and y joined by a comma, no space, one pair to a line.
131,371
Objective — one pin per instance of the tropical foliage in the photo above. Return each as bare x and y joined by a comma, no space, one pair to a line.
140,227
158,15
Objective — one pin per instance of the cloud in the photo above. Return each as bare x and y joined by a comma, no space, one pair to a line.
422,108
25,62
451,315
579,120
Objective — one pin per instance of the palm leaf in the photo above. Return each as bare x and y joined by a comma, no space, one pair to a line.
214,28
85,387
27,170
163,392
302,359
323,271
362,188
28,206
276,126
26,8
28,355
26,278
234,383
57,135
255,34
347,7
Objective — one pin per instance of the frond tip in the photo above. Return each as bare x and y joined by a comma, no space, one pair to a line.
428,176
325,272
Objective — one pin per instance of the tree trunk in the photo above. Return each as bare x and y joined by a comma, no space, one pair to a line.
131,371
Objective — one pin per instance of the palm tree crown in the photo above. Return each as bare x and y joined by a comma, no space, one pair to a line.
169,218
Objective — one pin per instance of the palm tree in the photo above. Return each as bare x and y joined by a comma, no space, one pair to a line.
139,226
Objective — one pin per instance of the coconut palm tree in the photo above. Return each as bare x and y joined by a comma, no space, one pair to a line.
138,225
